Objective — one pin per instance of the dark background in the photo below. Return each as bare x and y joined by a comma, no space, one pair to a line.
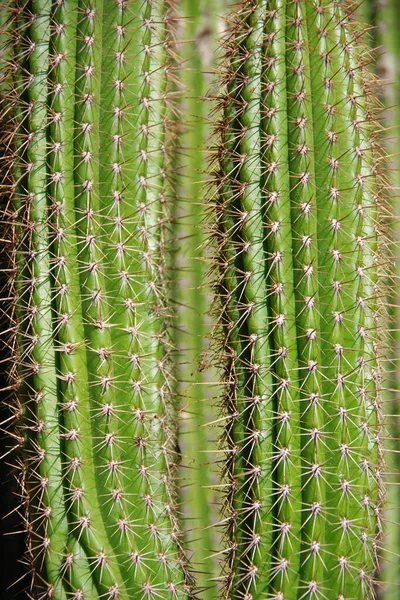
12,580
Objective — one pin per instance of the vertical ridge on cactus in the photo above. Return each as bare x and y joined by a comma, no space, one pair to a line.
298,271
92,112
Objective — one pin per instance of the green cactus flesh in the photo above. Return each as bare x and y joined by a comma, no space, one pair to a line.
297,245
92,123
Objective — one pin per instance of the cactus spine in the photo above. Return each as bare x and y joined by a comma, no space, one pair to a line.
298,271
92,131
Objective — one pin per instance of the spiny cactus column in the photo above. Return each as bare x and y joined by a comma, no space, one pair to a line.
91,109
297,276
385,48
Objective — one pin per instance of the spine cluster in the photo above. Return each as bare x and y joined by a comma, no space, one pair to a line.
296,225
92,114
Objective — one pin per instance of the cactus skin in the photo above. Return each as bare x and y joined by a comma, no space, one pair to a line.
91,194
298,256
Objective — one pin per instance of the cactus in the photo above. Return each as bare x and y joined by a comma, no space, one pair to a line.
298,267
384,43
91,178
92,115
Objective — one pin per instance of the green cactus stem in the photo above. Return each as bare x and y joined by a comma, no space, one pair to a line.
298,267
384,43
92,131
